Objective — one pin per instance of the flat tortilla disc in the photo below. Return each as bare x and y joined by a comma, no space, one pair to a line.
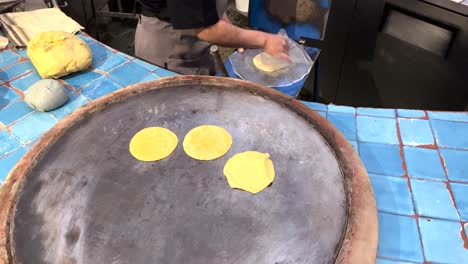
153,143
207,142
250,171
267,63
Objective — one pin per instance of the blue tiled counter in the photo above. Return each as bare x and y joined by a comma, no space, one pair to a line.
417,160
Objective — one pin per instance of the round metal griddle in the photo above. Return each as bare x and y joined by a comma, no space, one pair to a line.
78,196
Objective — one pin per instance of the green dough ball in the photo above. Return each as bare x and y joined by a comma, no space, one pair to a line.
46,95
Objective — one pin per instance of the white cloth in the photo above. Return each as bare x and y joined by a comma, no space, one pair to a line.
21,27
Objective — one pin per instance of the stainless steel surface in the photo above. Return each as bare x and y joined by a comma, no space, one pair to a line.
117,14
214,51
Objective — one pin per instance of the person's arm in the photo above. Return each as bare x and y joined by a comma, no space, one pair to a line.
226,18
225,34
202,15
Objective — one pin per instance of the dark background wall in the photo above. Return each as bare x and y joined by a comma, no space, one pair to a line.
396,53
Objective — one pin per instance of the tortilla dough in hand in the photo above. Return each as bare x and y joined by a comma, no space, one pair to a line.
267,63
250,171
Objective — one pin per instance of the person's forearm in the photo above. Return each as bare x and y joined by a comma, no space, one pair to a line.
228,35
225,34
226,18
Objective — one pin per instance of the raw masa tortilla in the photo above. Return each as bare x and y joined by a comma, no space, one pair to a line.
207,142
250,171
56,54
153,143
267,63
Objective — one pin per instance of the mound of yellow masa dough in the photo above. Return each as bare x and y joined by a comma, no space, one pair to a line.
153,143
56,54
250,171
207,142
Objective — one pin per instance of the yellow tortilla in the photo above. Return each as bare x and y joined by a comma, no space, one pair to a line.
268,63
250,171
153,143
207,142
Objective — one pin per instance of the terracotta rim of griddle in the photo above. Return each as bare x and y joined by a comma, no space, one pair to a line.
359,245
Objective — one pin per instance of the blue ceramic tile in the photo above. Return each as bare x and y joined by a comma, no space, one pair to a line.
16,70
151,77
346,123
8,143
322,113
128,74
433,199
164,73
316,106
460,194
387,261
466,229
450,134
31,143
399,238
8,57
451,116
381,159
23,53
14,112
377,130
355,145
99,52
68,88
8,96
80,79
110,63
8,162
424,163
410,113
26,81
86,39
415,132
146,65
99,88
442,241
125,55
456,163
75,101
342,109
32,126
392,194
376,112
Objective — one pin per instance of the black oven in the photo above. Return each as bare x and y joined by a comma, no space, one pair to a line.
396,54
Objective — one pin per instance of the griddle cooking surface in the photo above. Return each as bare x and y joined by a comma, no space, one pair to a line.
89,201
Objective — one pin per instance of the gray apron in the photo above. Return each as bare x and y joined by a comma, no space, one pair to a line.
180,51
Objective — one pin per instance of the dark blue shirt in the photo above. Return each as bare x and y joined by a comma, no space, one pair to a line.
182,14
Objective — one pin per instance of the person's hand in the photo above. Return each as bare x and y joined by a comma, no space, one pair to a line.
277,46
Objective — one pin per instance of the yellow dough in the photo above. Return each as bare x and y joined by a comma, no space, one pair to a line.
250,171
56,54
153,143
207,142
268,63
